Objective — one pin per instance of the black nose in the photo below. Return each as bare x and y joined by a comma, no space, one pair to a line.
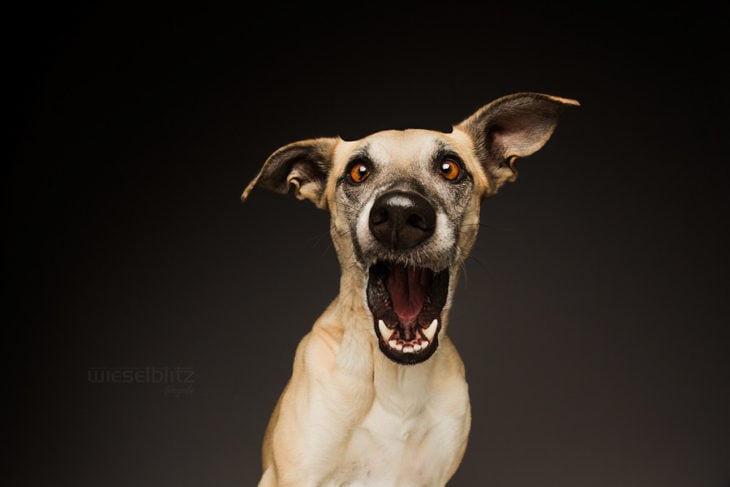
401,220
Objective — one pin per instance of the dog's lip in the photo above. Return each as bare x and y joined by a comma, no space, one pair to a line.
435,266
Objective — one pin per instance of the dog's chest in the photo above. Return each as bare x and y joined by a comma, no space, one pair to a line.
400,443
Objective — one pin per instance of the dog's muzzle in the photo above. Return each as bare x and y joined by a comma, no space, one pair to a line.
406,301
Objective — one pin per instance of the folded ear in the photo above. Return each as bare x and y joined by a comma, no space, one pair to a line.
510,127
300,166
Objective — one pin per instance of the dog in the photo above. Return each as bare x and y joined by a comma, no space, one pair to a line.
377,395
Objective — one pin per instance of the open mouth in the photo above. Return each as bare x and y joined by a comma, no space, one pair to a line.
406,303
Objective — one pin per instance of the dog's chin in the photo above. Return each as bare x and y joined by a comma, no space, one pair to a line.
406,303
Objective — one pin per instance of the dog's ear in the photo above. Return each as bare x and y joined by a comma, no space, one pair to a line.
301,167
510,127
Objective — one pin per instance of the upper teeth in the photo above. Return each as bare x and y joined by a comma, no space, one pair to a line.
431,330
384,331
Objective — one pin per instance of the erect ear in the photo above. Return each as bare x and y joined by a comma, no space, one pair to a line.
300,166
513,126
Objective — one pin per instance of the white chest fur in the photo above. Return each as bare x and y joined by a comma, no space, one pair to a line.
413,434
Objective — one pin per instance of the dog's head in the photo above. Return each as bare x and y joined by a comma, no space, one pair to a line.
404,207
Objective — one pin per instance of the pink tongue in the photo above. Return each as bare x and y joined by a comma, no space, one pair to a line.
407,289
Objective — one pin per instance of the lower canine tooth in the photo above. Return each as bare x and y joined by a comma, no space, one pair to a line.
431,330
384,331
392,343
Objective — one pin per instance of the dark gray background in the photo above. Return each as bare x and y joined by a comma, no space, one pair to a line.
593,314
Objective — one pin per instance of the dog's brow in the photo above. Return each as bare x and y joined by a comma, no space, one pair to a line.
444,151
361,154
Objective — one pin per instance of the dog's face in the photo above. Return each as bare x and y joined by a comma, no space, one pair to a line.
408,202
404,207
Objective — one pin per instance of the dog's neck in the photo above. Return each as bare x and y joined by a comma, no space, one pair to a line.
352,296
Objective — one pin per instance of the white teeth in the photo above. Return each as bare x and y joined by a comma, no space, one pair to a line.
411,346
384,331
431,330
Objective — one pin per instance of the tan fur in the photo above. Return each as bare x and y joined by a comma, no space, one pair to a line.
350,415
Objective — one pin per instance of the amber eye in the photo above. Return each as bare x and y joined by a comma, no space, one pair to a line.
450,170
359,173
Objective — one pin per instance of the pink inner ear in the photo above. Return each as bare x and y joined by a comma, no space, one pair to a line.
521,134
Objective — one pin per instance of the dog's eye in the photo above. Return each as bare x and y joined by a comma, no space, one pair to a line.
450,170
359,173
